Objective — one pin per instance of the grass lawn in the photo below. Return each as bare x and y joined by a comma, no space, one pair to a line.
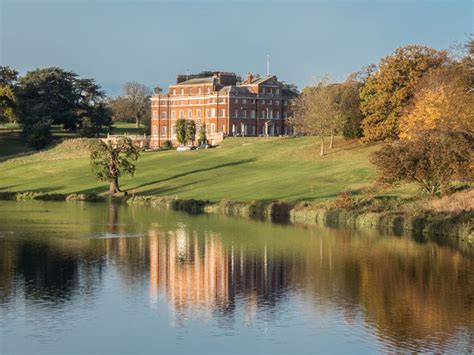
127,128
11,142
240,169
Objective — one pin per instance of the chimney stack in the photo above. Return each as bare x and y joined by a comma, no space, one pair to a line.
249,78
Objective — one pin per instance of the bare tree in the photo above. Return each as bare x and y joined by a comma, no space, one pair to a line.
138,96
316,111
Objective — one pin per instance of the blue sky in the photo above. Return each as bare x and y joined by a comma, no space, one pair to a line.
152,41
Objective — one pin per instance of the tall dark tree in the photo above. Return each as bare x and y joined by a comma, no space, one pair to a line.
111,160
53,96
96,121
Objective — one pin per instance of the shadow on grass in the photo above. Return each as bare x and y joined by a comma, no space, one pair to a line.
171,190
234,163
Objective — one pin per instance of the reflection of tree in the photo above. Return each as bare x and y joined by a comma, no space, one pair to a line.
46,271
408,292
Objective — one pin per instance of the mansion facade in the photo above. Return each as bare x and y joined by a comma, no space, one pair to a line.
257,106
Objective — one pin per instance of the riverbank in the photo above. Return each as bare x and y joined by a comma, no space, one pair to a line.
281,179
452,216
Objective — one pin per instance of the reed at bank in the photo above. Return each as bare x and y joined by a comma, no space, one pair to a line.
452,216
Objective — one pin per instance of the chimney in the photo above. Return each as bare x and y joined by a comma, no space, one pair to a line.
180,78
227,78
249,78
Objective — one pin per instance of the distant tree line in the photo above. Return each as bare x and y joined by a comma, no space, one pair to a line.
52,96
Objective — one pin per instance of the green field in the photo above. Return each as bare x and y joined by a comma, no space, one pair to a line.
12,143
240,169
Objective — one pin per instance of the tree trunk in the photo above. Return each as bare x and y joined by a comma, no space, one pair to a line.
137,121
114,186
322,146
331,143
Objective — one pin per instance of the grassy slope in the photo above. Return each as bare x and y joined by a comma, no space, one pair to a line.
241,169
12,143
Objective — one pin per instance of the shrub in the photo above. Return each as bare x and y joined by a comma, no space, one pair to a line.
38,135
167,145
343,201
433,160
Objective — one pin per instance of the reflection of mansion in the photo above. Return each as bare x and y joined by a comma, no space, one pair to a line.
257,106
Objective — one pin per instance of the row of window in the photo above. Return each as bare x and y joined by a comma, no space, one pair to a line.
212,113
210,129
245,129
190,91
209,113
263,114
222,100
274,91
236,129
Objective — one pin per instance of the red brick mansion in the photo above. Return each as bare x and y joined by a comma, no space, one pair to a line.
257,106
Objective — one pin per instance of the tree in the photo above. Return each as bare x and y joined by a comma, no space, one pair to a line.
157,89
202,135
181,130
348,102
289,86
39,135
110,160
432,159
138,98
53,96
190,131
121,110
387,91
8,76
441,100
8,102
97,121
316,111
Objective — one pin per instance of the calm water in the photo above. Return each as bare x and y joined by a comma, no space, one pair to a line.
92,278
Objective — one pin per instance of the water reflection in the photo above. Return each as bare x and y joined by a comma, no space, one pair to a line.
408,296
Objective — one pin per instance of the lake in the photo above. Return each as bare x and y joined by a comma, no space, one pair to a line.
97,278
